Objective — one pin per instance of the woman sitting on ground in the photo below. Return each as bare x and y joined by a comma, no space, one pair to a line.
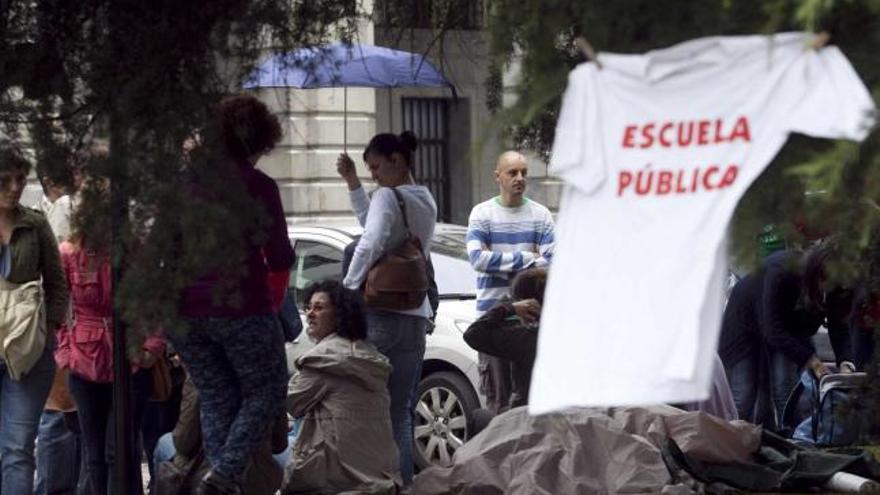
184,448
340,389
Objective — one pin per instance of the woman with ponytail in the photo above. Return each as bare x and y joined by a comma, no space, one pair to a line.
399,335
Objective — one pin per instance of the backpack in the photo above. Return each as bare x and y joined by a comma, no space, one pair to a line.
816,409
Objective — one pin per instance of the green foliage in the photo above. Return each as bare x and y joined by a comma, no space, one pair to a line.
138,79
842,178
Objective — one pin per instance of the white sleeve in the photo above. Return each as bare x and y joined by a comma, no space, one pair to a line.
577,153
835,104
372,244
360,204
64,225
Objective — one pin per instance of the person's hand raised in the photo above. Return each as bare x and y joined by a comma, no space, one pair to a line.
345,169
528,310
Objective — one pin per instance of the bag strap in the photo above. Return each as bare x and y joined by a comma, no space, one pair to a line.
402,204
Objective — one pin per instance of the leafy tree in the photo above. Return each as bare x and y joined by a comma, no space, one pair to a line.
833,188
124,87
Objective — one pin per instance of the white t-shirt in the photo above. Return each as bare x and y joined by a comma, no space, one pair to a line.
58,214
656,150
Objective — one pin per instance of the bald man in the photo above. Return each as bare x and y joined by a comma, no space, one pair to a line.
506,234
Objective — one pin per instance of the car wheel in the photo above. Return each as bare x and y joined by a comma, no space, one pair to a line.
445,403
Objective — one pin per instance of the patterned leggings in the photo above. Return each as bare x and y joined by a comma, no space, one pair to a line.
239,369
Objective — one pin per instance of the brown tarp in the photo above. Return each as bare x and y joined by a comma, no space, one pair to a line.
585,450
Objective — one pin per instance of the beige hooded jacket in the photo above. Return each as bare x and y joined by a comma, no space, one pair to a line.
346,444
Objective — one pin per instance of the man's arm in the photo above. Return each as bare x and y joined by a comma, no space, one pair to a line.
546,241
484,259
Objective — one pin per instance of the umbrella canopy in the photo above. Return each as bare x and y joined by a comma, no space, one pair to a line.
346,65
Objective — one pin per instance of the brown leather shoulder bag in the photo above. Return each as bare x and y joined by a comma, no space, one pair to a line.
399,279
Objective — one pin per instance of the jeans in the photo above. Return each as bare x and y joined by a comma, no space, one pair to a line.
761,386
784,375
239,368
744,385
498,381
94,402
164,451
401,338
58,455
21,404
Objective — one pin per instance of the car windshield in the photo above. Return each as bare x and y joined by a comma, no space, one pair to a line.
452,270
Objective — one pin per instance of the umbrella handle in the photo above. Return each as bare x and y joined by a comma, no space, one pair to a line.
345,120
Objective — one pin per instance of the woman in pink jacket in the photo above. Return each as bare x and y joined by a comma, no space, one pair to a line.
85,348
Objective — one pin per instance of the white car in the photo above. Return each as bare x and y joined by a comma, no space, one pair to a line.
448,391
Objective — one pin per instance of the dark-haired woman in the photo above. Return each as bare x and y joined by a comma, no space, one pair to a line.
28,253
400,335
86,348
339,389
234,347
771,315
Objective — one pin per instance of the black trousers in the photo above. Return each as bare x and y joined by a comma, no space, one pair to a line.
94,403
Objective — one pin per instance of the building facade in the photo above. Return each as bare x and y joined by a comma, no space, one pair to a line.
457,148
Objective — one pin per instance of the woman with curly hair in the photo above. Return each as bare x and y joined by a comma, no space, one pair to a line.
233,345
339,389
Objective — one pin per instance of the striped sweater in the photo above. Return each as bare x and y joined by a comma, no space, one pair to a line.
502,241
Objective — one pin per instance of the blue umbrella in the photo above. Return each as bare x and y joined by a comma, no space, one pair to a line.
340,65
344,65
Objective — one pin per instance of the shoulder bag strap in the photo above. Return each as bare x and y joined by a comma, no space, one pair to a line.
402,204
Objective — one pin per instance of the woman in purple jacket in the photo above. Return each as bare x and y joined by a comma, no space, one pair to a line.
234,346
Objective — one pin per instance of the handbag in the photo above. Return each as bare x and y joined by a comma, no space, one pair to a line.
22,326
91,349
399,279
173,480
